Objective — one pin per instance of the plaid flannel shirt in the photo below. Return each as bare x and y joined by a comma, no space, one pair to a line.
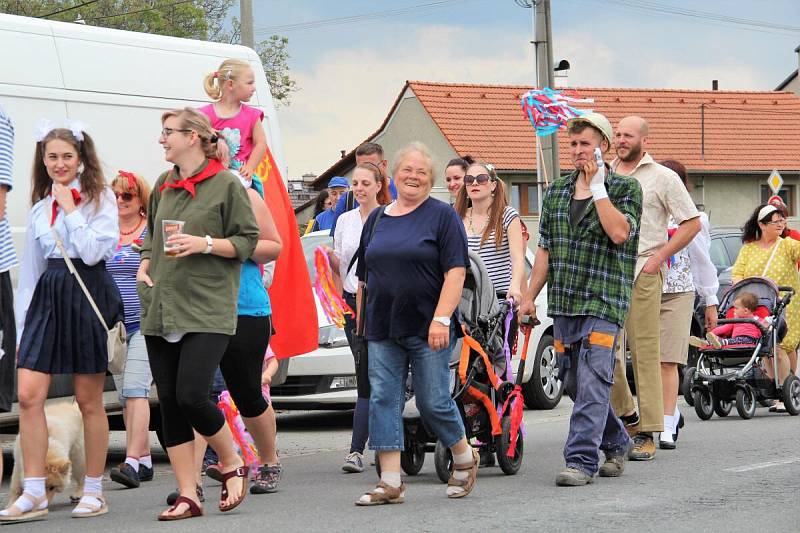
589,275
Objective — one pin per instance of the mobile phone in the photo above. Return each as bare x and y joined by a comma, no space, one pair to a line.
598,156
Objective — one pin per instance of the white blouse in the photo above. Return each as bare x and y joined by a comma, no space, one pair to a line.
692,269
89,233
346,240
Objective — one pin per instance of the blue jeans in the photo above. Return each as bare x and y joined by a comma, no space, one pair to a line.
585,347
388,369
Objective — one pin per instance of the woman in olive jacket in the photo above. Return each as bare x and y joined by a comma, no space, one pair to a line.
189,298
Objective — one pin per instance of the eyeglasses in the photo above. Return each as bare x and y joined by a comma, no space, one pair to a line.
482,179
126,196
166,132
776,222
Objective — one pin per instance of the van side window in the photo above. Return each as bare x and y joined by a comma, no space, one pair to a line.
719,256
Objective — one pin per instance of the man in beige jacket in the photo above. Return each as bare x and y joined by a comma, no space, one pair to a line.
664,195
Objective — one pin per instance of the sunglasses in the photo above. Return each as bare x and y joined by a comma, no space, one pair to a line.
126,196
482,179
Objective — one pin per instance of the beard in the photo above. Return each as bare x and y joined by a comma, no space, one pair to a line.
634,152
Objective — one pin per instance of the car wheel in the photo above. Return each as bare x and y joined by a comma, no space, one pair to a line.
544,389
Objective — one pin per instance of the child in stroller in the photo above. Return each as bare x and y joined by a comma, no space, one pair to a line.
745,373
744,306
478,362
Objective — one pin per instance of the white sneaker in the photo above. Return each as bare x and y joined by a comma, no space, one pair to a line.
353,463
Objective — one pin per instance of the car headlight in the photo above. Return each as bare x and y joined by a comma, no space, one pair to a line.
332,337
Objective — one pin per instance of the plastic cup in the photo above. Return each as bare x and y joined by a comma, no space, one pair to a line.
168,228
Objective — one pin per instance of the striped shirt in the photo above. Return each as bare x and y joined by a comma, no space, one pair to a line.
8,257
123,267
497,260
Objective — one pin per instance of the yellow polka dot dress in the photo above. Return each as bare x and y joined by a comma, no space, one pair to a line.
783,271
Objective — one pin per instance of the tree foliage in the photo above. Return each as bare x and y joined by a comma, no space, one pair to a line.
192,19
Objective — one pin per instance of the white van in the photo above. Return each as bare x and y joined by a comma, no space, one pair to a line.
118,83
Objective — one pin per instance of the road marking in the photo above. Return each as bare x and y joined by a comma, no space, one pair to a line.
768,464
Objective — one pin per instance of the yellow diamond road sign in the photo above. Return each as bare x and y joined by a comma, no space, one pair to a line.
775,181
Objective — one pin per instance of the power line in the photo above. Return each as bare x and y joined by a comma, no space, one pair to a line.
749,24
155,8
375,15
82,4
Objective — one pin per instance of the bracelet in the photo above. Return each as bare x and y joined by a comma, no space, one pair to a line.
209,244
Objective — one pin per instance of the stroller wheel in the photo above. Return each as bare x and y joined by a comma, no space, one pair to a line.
791,394
508,465
722,407
443,461
686,385
745,402
413,457
702,404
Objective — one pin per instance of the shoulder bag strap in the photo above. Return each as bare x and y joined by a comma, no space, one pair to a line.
769,262
363,307
74,272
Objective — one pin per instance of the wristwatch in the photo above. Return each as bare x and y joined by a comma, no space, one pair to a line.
443,320
209,244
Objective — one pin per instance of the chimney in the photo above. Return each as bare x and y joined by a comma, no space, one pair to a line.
715,85
343,152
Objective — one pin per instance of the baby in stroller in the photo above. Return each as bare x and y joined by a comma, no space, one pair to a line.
745,305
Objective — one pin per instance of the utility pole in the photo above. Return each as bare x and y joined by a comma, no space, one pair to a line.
246,15
543,49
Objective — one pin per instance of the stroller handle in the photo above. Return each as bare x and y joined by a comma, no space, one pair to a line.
783,288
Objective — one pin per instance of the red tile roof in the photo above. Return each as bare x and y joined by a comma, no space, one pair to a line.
744,131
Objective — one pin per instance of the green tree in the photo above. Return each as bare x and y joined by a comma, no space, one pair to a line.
192,19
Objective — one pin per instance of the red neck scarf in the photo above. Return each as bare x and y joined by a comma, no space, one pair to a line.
213,167
76,196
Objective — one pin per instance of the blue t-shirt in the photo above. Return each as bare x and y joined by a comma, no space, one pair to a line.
324,220
253,297
341,205
406,261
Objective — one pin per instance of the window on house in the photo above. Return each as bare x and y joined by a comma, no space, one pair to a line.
525,198
787,194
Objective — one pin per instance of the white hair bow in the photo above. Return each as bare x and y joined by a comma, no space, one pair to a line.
43,127
77,128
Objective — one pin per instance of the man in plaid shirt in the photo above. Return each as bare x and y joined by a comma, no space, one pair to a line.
589,232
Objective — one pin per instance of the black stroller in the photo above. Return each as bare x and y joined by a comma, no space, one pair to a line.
735,373
477,362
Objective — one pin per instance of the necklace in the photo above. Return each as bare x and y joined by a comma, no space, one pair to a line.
141,219
472,228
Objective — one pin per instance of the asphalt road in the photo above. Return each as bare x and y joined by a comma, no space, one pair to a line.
727,475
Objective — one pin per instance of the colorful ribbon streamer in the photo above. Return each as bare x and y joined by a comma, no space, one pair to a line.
241,437
330,300
549,110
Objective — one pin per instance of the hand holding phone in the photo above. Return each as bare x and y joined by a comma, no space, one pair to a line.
597,184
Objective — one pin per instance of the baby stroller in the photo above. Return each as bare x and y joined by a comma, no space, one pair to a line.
735,373
477,363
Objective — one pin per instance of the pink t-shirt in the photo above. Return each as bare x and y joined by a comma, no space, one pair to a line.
237,131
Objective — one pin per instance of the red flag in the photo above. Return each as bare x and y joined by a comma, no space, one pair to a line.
294,313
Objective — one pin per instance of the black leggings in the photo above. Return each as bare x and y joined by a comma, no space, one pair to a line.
362,374
183,372
243,363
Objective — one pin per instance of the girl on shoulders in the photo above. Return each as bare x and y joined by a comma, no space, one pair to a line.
239,124
59,330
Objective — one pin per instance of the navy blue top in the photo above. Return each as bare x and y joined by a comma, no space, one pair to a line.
341,205
406,262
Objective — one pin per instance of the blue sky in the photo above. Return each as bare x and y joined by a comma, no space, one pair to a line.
349,73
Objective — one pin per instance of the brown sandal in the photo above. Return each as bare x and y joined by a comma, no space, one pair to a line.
466,484
239,472
193,510
389,495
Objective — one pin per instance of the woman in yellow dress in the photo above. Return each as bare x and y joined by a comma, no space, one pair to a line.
761,234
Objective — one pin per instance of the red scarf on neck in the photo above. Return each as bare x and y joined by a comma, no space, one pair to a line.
76,196
213,167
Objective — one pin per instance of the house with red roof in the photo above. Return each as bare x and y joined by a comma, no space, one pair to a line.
730,141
